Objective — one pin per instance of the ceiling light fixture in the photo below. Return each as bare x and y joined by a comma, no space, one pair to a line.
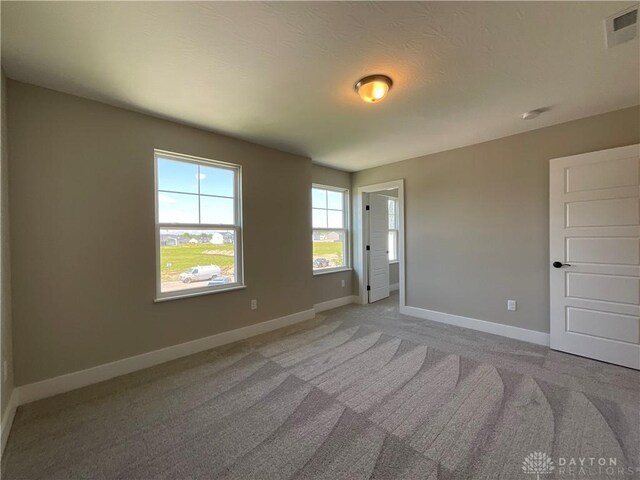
373,88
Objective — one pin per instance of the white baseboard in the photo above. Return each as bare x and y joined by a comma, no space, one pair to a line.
517,333
335,303
394,286
7,420
71,381
65,383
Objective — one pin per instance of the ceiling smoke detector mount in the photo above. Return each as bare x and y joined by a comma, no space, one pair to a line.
621,27
531,114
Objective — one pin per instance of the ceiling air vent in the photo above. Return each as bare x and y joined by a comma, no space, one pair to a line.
622,27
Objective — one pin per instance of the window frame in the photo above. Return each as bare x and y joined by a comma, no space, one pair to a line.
396,230
346,228
236,227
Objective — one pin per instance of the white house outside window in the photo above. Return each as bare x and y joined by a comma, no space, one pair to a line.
198,225
330,222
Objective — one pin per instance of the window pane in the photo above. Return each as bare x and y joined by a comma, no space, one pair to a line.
328,249
177,176
318,198
335,200
393,245
319,218
177,208
195,259
217,181
216,210
334,219
392,214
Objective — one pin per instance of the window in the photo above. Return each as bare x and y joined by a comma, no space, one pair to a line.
198,226
393,229
330,221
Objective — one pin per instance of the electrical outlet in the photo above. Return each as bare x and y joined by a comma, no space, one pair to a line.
511,305
342,283
254,304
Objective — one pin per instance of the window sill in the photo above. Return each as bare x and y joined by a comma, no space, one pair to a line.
199,293
394,261
336,270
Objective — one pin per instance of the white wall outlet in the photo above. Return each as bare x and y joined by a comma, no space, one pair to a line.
254,304
5,370
342,283
511,305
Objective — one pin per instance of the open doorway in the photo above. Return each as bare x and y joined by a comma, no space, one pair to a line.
379,242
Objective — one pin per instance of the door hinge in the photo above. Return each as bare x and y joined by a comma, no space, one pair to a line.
368,247
368,287
368,207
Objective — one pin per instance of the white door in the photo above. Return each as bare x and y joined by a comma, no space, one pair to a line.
595,255
378,266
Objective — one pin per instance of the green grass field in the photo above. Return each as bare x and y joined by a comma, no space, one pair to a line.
184,257
329,250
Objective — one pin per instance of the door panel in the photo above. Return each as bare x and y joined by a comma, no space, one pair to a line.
616,173
378,242
602,324
594,227
620,251
603,213
610,288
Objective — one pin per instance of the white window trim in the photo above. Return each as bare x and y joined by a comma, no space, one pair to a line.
347,230
326,271
237,227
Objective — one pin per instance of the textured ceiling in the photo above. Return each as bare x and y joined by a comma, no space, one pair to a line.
281,74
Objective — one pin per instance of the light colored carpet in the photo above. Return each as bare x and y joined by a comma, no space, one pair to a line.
363,393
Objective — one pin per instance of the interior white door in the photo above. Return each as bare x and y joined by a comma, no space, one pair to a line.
378,266
595,253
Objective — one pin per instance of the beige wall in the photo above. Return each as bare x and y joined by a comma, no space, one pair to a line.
477,223
328,286
82,233
394,273
330,176
5,264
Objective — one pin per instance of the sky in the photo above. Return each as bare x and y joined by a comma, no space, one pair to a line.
327,208
193,193
187,206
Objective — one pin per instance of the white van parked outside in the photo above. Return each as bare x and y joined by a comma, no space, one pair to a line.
197,274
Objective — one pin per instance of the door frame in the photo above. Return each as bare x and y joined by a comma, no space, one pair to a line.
362,233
